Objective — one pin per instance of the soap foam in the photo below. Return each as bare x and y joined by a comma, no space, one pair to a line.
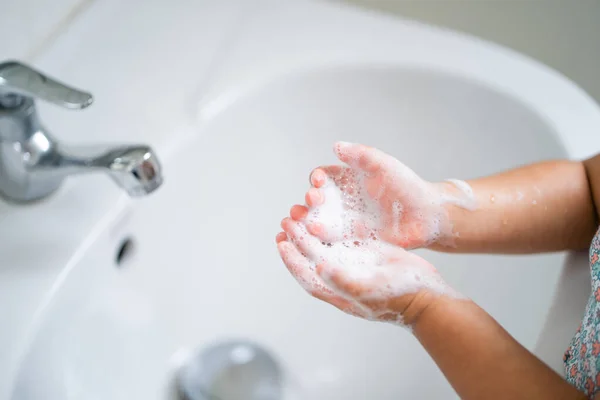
387,270
363,230
384,270
467,198
347,211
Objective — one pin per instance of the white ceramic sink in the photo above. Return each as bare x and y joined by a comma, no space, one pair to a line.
203,265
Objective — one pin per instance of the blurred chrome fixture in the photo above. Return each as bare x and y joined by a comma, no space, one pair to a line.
231,370
32,162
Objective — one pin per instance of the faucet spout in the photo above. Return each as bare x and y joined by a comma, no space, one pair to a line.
135,168
37,167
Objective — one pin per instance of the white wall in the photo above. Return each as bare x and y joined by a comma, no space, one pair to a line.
564,34
26,25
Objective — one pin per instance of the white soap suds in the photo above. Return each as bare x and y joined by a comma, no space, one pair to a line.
358,232
384,270
466,199
350,211
347,211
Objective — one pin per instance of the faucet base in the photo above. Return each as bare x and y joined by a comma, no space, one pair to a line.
17,184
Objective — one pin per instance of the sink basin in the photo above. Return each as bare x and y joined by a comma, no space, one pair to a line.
203,265
155,280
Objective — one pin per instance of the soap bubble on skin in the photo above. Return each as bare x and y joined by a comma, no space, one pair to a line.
354,221
365,260
467,200
425,200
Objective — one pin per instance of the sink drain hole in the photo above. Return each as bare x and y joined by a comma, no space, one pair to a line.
124,251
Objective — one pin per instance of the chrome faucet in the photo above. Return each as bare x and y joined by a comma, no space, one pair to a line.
33,164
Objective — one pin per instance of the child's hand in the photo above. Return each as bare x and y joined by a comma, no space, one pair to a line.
372,280
410,211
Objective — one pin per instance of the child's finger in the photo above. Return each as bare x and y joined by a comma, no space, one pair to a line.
298,212
318,177
370,159
357,155
281,236
345,152
302,271
314,197
366,158
323,233
306,243
316,229
296,263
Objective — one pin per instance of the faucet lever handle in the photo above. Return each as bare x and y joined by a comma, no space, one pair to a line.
18,80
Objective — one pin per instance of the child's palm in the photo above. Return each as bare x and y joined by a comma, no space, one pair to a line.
374,281
408,209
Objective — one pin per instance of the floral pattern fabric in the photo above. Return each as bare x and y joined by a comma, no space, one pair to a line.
582,358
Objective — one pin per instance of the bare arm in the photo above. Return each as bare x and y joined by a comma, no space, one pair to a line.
542,207
480,359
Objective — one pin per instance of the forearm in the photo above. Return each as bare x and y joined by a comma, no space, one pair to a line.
481,360
542,207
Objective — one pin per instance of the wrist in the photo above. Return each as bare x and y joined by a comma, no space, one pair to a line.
439,310
456,201
426,302
417,306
